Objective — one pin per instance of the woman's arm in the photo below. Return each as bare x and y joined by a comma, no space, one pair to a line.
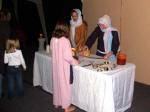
92,38
108,55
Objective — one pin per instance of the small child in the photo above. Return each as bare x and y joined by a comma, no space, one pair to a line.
13,57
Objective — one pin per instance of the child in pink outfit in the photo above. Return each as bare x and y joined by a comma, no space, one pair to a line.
61,61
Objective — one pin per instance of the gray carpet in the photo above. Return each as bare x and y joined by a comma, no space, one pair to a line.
36,100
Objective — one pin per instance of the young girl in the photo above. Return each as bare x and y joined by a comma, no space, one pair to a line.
61,61
13,57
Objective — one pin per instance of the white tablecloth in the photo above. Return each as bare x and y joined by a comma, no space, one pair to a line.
92,91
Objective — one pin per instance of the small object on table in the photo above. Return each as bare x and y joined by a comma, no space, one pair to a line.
106,66
41,42
106,69
47,48
86,65
115,65
94,66
83,53
87,52
95,57
99,70
73,51
106,62
121,59
111,67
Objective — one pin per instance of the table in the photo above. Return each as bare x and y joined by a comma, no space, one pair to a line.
92,91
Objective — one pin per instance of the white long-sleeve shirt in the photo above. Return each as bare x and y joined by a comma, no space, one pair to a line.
14,59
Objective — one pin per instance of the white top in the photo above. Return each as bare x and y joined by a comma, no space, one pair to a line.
14,59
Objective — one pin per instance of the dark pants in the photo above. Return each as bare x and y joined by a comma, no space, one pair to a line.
15,75
71,74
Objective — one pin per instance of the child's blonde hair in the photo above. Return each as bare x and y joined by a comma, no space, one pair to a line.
12,45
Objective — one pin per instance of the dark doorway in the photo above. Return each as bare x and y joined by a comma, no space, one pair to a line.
8,4
30,21
58,9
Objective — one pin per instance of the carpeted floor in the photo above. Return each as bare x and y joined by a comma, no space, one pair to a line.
36,100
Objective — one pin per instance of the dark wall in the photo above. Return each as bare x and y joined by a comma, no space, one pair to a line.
8,4
29,20
58,9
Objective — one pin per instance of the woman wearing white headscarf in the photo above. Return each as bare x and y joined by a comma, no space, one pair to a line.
77,30
108,39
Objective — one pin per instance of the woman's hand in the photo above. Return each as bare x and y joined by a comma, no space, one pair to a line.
108,55
81,53
84,48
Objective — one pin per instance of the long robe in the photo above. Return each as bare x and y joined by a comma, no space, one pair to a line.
61,61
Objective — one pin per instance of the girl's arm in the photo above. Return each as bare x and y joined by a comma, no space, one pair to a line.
22,60
68,54
5,58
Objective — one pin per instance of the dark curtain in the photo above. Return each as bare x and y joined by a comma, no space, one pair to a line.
29,18
30,21
8,4
58,9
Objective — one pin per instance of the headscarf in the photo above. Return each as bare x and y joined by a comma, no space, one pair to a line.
75,24
105,20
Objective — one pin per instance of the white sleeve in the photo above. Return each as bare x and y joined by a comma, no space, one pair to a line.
5,58
22,60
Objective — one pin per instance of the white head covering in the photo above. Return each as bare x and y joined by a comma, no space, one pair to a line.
79,21
105,20
75,24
